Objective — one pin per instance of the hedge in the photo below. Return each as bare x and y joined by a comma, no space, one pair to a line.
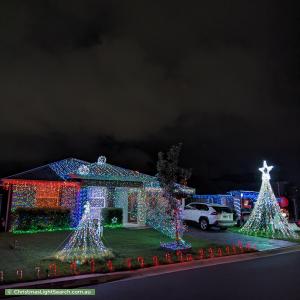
109,213
40,219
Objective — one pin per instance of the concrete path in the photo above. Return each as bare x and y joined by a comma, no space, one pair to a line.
230,238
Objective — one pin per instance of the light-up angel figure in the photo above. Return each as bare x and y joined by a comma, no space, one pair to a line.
85,243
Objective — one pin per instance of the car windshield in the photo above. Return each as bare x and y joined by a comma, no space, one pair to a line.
221,209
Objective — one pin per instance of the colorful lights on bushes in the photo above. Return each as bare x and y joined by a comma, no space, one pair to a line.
38,219
49,229
159,215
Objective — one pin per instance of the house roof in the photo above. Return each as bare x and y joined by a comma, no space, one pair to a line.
106,171
72,169
56,171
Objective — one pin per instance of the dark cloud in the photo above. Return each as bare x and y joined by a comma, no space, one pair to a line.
129,78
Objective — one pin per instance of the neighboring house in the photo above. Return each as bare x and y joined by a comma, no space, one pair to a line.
71,182
238,200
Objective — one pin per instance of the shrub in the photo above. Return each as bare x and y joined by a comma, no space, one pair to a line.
109,213
39,219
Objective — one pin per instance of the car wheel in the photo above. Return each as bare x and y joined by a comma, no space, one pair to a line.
203,224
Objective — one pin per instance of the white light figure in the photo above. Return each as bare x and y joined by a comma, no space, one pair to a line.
266,217
83,170
101,160
85,242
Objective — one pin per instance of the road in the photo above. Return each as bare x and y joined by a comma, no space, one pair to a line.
274,278
232,238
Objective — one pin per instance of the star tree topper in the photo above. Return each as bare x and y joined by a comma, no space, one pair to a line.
266,171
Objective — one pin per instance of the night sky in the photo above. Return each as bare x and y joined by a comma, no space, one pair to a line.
126,79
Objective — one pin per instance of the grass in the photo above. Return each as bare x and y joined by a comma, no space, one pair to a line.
36,250
266,235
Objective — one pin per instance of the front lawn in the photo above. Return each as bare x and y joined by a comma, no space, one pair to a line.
36,250
266,235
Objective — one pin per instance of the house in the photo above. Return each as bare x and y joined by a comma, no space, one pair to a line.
69,183
238,200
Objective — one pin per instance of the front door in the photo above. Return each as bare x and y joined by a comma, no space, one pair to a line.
132,207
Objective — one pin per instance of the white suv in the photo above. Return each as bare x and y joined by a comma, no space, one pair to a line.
209,215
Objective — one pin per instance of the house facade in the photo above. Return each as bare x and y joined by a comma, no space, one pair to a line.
71,182
238,200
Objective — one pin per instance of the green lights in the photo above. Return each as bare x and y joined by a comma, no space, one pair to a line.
51,229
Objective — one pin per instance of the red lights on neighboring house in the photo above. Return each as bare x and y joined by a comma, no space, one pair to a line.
284,202
246,203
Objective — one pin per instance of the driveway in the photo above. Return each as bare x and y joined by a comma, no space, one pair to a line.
232,238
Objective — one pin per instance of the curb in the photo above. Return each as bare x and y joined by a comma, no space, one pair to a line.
92,279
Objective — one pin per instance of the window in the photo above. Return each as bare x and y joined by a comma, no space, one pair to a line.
199,206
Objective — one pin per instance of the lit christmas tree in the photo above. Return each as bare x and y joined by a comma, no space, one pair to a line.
85,243
266,217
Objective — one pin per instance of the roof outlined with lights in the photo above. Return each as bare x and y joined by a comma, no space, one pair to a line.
73,169
106,171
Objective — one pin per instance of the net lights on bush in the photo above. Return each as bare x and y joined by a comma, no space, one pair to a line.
266,217
85,242
159,216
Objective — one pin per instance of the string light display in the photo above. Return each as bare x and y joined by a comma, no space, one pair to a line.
133,263
75,182
65,167
159,215
41,194
85,242
101,170
23,195
235,199
266,217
